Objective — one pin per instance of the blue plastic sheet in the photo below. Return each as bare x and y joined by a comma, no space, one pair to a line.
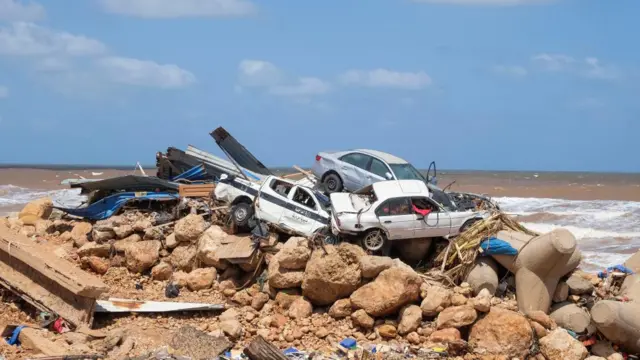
197,172
621,268
348,343
13,339
104,208
495,246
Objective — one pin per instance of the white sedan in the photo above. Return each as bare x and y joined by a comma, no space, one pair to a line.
395,210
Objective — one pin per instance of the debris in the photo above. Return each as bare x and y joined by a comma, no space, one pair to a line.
197,344
261,349
115,305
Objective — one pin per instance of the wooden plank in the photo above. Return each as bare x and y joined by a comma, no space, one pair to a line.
47,282
261,349
196,190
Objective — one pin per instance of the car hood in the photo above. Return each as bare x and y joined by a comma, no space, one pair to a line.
341,202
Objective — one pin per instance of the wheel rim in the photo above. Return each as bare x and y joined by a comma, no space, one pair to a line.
240,214
373,241
330,240
332,184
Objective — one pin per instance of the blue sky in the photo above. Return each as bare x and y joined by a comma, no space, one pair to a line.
471,84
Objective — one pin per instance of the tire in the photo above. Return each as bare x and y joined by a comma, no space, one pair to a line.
373,246
241,213
333,183
468,224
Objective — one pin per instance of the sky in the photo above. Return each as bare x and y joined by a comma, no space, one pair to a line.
471,84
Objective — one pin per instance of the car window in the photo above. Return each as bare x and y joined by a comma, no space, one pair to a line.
392,207
423,203
304,198
379,168
406,172
281,187
357,159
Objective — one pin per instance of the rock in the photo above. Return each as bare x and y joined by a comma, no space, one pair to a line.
66,236
162,271
102,236
595,358
501,332
294,254
93,249
189,228
208,243
445,336
332,276
232,328
300,309
153,233
361,319
437,299
278,321
184,258
259,300
28,230
284,300
578,285
458,300
43,226
36,210
280,278
414,338
456,316
97,264
562,292
560,345
123,231
603,349
142,225
229,314
121,245
543,319
482,302
180,278
242,297
387,331
74,338
322,333
340,309
539,329
390,291
409,319
200,279
371,265
170,241
142,255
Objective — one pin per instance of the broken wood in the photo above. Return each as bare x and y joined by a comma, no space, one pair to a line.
46,281
196,190
32,339
261,349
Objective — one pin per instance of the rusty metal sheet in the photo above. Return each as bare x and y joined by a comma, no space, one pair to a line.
116,305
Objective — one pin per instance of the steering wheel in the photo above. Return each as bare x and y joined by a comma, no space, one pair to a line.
432,178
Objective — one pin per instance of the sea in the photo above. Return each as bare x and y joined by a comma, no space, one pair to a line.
608,232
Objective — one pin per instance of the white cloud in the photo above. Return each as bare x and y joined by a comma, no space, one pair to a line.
164,9
485,2
16,10
258,73
553,62
304,86
145,73
4,92
511,70
27,39
596,70
386,78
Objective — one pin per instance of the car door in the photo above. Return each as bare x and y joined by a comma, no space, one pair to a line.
353,167
273,200
436,223
397,219
301,212
377,171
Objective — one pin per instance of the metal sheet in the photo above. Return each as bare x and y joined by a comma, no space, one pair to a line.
128,183
224,166
116,305
238,152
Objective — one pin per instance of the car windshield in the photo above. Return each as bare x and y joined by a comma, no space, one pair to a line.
406,172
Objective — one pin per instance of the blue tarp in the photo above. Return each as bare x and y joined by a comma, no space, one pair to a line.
495,246
197,172
106,207
621,268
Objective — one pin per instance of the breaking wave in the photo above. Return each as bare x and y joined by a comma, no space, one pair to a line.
11,195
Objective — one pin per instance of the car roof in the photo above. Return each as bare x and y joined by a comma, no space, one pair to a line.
392,188
386,157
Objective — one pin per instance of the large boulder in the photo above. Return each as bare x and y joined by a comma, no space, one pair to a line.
190,227
372,265
142,255
294,254
80,233
184,258
36,210
560,345
280,278
200,279
391,290
457,317
502,332
208,243
334,275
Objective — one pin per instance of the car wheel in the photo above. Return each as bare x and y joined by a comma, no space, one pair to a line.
333,183
375,242
468,224
241,214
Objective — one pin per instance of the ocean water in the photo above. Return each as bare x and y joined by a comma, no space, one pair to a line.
608,232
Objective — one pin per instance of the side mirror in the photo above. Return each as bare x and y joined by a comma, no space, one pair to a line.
388,176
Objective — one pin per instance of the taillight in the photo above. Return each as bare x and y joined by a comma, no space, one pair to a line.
318,157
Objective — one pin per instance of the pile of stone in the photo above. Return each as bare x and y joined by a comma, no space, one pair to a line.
314,297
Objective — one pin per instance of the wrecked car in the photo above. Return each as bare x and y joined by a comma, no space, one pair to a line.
290,207
354,169
395,210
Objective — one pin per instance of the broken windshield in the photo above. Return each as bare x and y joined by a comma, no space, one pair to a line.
406,172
